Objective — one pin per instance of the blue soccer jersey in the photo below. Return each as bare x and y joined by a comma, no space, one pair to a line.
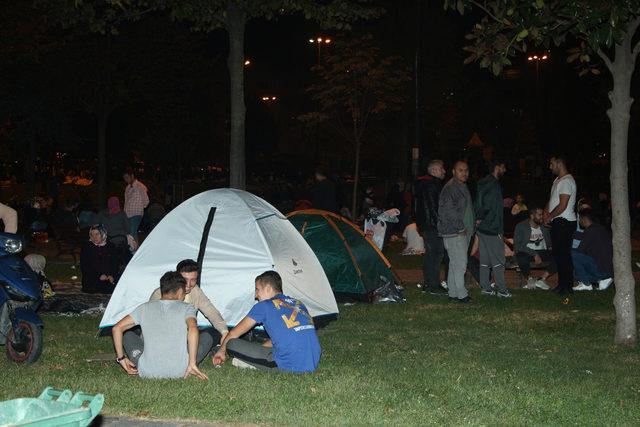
287,321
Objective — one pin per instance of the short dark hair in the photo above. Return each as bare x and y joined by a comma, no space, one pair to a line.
588,214
495,162
560,157
187,266
170,282
535,208
271,278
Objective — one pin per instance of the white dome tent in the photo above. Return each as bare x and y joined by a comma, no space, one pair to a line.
235,236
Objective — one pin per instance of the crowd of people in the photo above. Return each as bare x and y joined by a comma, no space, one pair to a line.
555,238
449,225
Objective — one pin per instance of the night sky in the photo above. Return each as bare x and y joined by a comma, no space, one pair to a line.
173,84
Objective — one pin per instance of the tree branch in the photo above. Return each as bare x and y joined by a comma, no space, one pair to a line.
606,59
488,12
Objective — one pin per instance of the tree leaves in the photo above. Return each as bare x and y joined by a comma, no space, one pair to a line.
508,27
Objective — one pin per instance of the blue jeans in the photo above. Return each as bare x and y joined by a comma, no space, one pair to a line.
585,268
135,221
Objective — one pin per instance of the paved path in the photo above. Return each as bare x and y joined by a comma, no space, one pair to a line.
101,421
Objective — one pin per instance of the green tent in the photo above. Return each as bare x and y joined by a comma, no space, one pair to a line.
353,264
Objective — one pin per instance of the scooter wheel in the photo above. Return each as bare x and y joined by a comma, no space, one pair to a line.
24,343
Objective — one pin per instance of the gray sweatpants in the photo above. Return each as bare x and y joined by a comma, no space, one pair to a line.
133,343
252,353
457,248
491,250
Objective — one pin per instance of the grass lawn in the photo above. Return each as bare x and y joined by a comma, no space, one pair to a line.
530,360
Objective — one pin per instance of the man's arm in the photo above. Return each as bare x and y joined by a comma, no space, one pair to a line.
203,304
192,346
241,328
521,237
117,331
558,210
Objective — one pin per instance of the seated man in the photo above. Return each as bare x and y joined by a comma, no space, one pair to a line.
294,345
209,337
170,335
532,241
593,259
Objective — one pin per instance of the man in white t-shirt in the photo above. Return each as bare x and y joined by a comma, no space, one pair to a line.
561,216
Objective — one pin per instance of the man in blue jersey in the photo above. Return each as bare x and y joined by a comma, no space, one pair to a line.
294,345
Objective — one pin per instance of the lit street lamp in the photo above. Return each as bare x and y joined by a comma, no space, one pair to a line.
247,62
320,41
537,59
269,98
541,120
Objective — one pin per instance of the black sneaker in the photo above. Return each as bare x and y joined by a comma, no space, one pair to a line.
439,290
504,294
464,300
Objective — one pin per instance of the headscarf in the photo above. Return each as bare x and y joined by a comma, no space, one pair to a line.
113,204
103,234
37,262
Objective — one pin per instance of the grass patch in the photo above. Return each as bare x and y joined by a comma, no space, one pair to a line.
392,251
61,271
530,360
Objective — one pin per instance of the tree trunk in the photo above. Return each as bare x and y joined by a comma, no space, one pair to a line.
235,27
356,172
619,114
102,158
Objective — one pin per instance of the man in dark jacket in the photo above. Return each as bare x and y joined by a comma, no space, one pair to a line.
456,226
427,195
489,218
532,241
323,194
593,260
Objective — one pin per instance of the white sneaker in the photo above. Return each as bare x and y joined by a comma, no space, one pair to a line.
241,364
541,284
604,284
493,285
444,284
582,287
531,283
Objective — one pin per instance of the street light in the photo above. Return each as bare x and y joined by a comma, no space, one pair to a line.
247,62
269,98
537,59
320,41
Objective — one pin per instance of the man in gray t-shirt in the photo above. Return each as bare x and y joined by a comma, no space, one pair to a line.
170,335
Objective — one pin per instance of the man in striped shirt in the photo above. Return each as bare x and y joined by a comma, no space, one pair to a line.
135,200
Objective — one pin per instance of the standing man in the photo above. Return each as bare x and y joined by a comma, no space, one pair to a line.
561,216
427,197
489,219
456,226
209,337
135,200
323,193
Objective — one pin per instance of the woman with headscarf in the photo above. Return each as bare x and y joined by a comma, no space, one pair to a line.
98,262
